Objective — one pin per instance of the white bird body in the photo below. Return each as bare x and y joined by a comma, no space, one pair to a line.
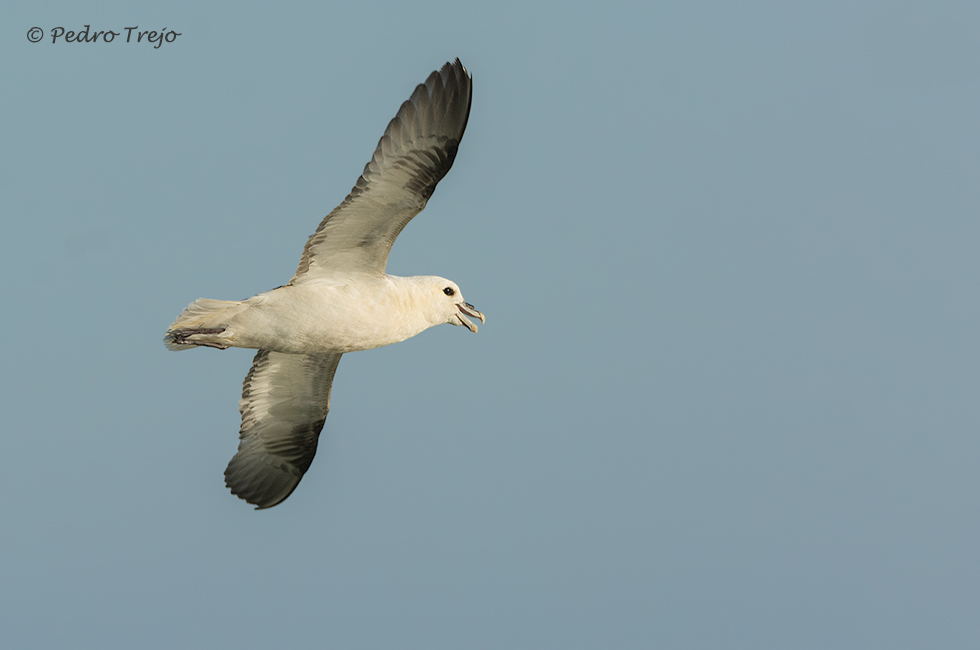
340,300
324,316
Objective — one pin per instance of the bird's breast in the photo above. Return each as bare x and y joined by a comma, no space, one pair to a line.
329,318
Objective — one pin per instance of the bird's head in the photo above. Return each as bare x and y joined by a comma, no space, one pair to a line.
447,304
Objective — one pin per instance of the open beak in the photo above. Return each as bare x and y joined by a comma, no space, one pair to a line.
469,310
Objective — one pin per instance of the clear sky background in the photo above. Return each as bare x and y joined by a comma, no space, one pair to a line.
726,395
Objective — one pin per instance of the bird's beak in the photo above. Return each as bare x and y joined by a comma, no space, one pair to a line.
469,310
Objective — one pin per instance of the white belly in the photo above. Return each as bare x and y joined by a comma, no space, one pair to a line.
321,318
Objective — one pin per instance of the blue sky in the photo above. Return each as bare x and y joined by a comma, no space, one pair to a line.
726,395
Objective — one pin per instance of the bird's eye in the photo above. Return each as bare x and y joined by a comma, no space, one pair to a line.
449,291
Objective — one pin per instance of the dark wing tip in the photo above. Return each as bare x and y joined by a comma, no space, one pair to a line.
440,108
436,114
260,483
265,472
457,84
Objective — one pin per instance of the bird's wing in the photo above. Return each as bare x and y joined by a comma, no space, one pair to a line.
416,151
285,400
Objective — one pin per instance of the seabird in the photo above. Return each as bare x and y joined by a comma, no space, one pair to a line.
340,300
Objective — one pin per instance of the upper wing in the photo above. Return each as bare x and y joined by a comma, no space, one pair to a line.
416,151
285,400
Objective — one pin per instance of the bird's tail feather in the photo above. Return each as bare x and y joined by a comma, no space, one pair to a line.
204,322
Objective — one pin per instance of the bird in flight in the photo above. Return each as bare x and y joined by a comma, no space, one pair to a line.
340,300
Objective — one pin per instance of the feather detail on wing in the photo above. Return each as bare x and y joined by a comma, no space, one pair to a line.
285,400
418,148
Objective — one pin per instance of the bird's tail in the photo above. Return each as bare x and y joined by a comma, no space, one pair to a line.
204,322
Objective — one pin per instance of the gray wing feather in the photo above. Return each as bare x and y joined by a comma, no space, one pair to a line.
416,151
285,400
